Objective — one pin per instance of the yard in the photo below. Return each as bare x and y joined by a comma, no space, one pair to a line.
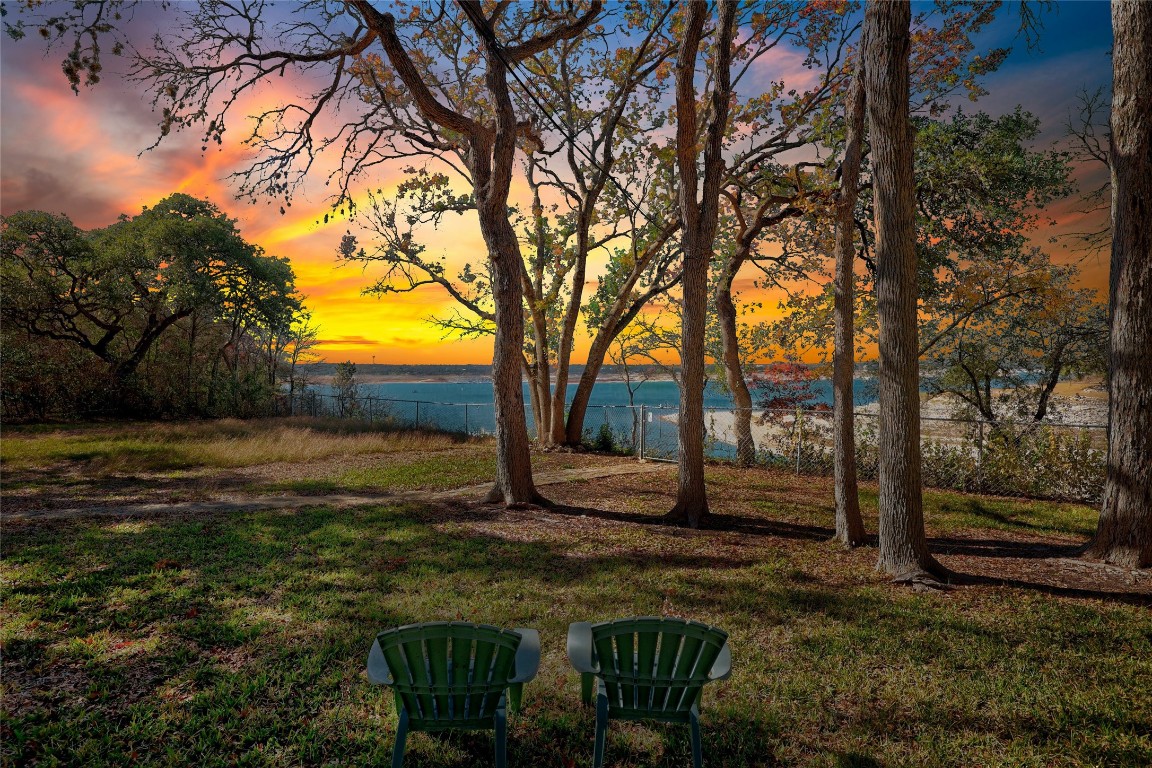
214,633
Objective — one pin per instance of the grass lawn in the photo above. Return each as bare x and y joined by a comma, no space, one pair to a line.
240,638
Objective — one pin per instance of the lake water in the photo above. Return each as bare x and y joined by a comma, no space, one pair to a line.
465,405
605,393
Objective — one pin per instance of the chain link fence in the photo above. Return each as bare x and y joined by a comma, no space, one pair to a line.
1044,461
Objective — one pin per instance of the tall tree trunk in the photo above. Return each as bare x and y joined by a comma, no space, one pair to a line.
733,369
513,463
849,524
700,217
903,545
541,378
558,432
1124,533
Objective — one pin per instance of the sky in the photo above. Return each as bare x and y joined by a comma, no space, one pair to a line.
87,156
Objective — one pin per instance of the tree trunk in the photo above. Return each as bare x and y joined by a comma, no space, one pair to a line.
1124,533
903,545
491,156
849,524
531,372
513,462
558,432
733,370
691,497
700,219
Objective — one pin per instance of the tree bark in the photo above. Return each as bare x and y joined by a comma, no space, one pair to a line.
733,370
1124,533
849,524
513,463
903,544
700,219
558,433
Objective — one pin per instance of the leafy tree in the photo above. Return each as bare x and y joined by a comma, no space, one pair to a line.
115,292
1004,359
423,90
347,388
699,216
784,386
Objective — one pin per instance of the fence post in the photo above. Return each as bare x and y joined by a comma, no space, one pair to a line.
799,437
643,426
467,431
417,414
980,457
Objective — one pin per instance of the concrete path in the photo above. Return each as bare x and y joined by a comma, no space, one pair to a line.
254,503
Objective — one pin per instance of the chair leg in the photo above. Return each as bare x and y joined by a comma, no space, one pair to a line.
601,728
586,682
501,719
694,727
401,735
515,696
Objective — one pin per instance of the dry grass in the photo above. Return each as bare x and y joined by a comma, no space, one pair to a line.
228,443
296,445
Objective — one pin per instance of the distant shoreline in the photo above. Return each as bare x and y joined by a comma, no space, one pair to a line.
413,378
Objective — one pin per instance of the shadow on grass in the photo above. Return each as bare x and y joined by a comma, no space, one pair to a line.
716,522
943,545
1056,590
246,638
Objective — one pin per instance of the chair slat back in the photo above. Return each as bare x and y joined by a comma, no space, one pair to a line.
655,666
450,673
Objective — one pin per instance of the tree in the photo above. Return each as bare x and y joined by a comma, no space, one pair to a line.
699,215
420,106
492,149
945,62
903,545
1124,533
115,292
785,387
1005,357
347,388
848,521
301,350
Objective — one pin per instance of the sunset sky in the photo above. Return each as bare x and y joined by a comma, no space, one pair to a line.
85,156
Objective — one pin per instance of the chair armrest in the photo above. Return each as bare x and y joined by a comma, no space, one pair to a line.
527,655
378,672
581,652
722,667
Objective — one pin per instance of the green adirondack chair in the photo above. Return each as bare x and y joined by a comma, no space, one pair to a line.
454,674
649,668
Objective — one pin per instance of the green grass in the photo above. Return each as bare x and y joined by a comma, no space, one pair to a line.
240,639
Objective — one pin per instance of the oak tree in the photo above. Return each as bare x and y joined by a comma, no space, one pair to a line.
1124,533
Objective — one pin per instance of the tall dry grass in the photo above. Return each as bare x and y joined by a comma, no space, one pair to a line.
229,443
